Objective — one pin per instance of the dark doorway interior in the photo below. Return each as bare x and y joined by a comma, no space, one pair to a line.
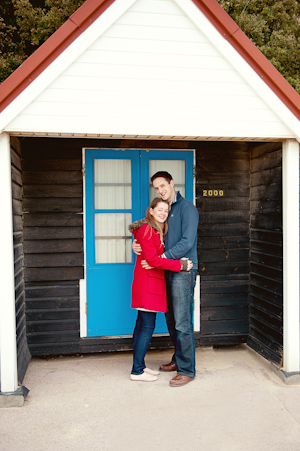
238,194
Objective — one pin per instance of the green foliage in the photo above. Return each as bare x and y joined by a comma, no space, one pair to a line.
25,25
274,27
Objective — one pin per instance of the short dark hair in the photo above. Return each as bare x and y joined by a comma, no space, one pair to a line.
163,174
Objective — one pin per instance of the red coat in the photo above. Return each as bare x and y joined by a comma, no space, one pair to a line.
149,286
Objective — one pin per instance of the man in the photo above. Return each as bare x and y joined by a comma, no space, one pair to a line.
180,241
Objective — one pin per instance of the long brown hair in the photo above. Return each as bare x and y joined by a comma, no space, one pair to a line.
163,228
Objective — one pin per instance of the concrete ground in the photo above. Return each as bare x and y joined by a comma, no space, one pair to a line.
236,403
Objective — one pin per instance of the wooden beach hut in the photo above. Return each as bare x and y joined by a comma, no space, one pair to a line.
122,89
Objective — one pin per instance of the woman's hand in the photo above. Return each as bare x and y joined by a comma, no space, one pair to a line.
190,265
186,264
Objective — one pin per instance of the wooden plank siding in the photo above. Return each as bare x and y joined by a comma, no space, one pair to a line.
53,244
266,303
23,354
230,208
222,191
155,71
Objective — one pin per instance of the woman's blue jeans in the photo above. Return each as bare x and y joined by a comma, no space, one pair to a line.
180,294
143,331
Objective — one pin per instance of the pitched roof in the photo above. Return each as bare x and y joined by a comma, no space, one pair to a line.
92,9
51,49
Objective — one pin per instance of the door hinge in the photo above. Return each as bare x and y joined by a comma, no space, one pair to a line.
83,170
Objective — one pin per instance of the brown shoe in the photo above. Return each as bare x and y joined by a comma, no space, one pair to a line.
168,367
179,380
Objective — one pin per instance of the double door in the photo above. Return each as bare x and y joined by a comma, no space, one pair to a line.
118,190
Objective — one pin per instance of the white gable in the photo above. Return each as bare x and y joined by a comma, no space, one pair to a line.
151,68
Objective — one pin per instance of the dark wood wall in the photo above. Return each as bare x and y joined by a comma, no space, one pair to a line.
231,209
23,355
53,244
222,191
266,304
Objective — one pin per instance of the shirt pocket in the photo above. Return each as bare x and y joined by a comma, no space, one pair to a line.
156,282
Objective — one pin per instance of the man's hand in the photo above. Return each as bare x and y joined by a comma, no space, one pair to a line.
136,247
145,265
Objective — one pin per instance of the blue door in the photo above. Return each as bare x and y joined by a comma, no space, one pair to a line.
118,191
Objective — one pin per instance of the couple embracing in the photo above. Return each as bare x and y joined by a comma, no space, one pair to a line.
164,279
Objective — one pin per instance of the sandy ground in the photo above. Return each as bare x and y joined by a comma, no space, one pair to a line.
236,403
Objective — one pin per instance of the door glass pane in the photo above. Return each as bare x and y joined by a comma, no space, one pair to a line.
112,238
175,167
113,184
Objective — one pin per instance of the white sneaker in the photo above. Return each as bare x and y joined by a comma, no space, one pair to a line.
144,377
153,372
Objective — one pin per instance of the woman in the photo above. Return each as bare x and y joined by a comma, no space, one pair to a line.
148,286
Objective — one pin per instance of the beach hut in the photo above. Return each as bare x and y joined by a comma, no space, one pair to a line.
122,89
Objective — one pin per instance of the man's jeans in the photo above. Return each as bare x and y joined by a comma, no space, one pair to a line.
142,335
180,293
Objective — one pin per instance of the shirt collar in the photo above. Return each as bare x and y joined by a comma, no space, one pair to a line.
174,200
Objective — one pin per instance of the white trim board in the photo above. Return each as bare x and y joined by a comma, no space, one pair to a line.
8,343
290,197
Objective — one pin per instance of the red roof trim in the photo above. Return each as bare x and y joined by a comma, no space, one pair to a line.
92,9
50,50
245,47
